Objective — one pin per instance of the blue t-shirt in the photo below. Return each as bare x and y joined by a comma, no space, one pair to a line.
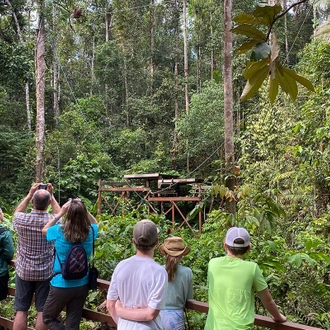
62,247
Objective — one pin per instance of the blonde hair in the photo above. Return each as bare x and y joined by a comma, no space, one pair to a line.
77,223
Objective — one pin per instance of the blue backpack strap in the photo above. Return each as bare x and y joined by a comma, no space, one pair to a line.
93,245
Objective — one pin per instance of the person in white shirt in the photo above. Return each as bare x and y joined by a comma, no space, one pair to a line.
138,285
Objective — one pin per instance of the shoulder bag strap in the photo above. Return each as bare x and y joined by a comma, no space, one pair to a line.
93,245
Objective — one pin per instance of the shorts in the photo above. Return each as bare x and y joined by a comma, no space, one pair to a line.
4,286
172,319
24,294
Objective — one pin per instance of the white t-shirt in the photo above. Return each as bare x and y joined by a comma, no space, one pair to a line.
139,282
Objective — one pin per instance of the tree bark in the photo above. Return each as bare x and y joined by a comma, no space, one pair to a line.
40,66
152,46
176,102
56,107
186,67
228,102
185,55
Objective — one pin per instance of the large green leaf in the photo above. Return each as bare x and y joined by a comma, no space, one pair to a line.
245,18
301,80
267,13
249,31
246,46
253,84
288,84
273,88
253,67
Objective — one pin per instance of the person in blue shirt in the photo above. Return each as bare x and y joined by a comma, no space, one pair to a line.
78,226
6,254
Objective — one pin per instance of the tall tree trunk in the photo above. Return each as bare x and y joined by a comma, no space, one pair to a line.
126,93
40,66
107,37
198,65
212,51
27,105
185,54
56,107
186,66
176,102
107,24
152,46
92,67
228,102
284,6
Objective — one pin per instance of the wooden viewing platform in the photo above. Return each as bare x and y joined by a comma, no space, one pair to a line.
160,192
202,307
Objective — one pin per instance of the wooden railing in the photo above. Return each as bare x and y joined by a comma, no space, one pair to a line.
262,321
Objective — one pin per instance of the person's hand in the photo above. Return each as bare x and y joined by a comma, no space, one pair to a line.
281,319
33,189
66,206
50,188
1,215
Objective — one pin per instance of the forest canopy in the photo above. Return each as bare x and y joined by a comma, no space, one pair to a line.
138,87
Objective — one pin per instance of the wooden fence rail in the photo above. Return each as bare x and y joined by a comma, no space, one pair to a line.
202,307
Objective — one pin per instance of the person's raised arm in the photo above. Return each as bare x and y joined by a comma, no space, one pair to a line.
53,202
56,217
136,314
22,206
91,218
112,310
270,305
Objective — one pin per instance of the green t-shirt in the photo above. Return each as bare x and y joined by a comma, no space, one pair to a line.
232,283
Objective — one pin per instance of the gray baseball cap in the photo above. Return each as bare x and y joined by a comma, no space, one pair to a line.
145,233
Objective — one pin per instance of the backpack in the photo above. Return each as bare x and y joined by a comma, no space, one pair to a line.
75,265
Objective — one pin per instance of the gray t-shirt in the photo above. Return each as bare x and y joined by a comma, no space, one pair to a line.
179,290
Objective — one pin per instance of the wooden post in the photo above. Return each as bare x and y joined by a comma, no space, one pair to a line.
99,198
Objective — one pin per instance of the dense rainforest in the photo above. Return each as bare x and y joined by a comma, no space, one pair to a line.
137,86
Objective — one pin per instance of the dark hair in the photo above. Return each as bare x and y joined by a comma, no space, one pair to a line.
77,223
143,248
238,251
41,199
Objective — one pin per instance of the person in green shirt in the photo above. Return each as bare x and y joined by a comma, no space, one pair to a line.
232,283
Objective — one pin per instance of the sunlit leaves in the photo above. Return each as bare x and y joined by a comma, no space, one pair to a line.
253,84
265,64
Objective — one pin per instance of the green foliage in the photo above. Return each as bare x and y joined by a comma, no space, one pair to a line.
79,177
315,61
16,63
201,130
15,169
265,61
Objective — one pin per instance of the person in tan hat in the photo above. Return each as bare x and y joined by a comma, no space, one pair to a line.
138,284
180,283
